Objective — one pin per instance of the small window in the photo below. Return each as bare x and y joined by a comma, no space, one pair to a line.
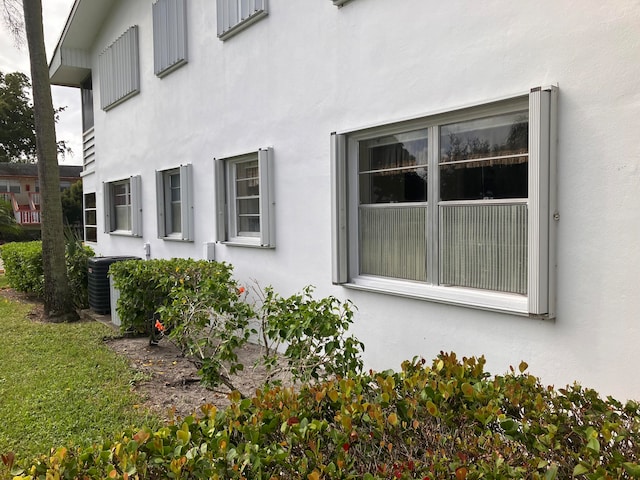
452,207
236,15
245,199
122,207
169,35
175,204
10,186
119,70
90,218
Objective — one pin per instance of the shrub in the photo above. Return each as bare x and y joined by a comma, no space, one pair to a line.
447,420
23,268
146,287
314,332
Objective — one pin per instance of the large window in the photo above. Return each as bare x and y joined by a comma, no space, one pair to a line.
122,207
90,218
236,15
175,204
169,35
454,207
245,199
119,70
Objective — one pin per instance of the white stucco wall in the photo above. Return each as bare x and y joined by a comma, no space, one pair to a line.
310,68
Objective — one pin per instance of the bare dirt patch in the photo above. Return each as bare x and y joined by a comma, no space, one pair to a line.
167,381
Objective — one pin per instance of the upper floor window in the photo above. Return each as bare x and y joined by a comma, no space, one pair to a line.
122,206
10,186
453,207
119,70
245,200
236,15
169,35
175,204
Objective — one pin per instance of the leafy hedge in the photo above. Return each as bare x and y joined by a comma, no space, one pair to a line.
146,286
24,270
449,420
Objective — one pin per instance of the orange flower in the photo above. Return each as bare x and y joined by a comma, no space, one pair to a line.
240,290
159,326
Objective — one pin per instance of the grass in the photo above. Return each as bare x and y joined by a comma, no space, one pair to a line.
60,385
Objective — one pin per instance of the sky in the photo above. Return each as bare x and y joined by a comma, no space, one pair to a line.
14,59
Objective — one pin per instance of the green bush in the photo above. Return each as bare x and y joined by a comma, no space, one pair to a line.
147,286
313,333
23,268
447,420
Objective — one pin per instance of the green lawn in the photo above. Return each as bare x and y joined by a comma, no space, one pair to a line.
59,384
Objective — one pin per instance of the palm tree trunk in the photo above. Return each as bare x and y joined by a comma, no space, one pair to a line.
58,301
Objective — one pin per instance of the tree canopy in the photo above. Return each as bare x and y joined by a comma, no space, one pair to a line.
17,127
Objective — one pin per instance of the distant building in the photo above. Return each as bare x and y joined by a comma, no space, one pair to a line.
19,185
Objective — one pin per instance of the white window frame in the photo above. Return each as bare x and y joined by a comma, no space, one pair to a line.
163,202
169,35
234,16
119,70
87,209
227,231
541,204
134,188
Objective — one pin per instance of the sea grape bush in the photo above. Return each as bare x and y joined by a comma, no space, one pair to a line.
447,420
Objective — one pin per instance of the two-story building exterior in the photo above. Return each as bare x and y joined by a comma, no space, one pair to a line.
468,174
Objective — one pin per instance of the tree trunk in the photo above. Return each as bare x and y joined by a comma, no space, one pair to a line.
58,300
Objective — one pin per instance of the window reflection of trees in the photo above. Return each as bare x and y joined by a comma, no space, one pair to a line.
485,159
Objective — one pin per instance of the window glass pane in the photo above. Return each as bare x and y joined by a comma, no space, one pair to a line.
484,246
90,217
247,179
248,224
393,169
123,217
91,234
121,194
485,158
176,217
393,241
251,205
90,200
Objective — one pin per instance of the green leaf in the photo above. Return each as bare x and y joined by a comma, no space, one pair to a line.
579,469
632,469
594,445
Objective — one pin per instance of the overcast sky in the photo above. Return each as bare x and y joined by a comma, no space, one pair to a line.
14,59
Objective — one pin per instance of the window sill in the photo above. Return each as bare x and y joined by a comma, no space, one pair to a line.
466,297
176,238
123,233
249,244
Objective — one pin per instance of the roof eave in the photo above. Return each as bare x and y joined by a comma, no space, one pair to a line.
71,61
